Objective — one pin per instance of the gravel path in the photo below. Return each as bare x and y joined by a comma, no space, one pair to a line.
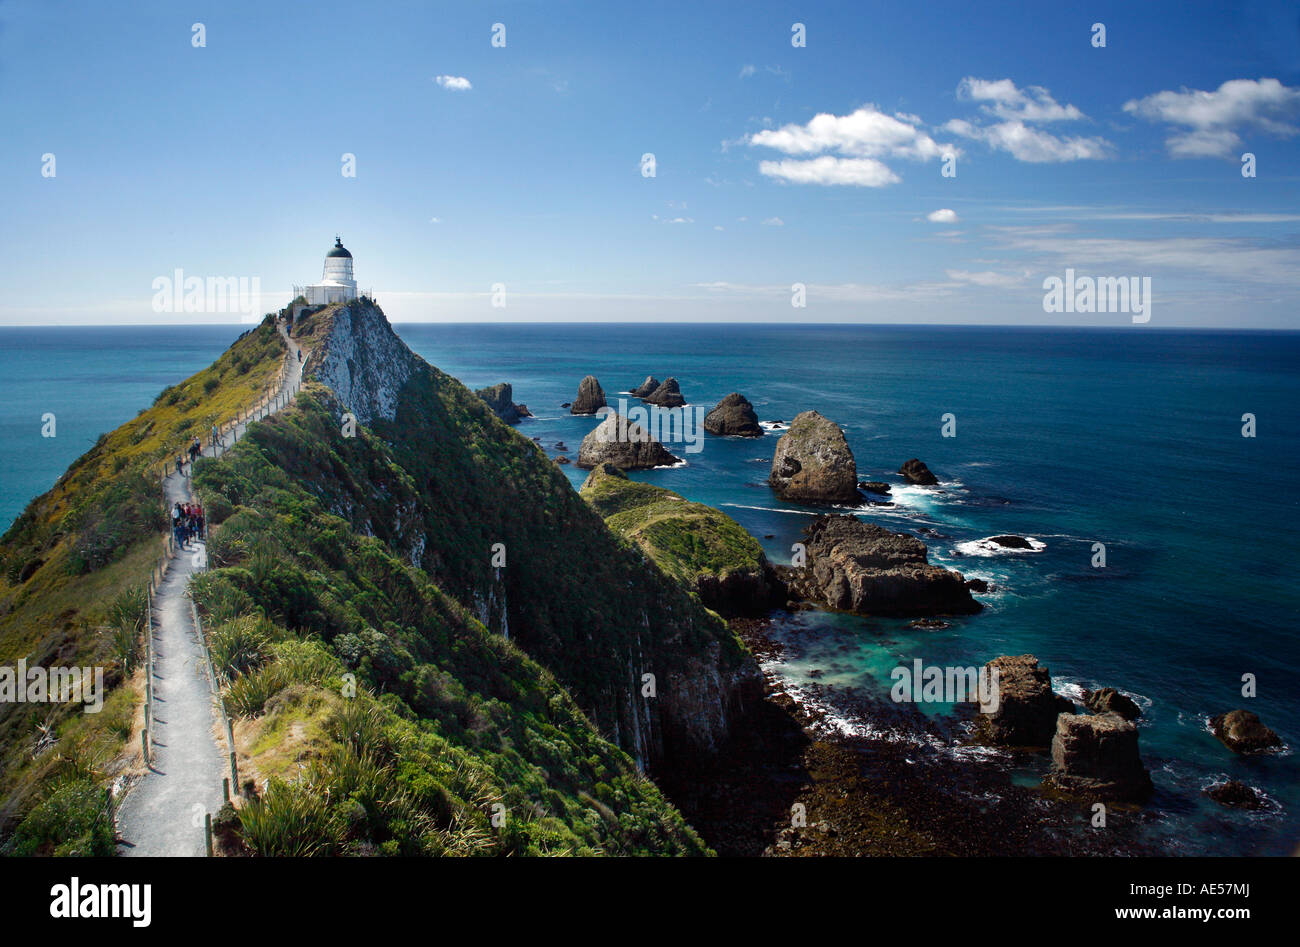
163,814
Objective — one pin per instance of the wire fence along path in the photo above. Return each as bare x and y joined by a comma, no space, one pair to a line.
188,775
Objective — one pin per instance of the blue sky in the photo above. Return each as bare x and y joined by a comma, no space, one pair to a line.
225,160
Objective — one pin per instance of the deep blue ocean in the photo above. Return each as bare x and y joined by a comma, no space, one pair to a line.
1129,437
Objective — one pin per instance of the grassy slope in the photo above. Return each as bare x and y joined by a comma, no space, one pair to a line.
456,481
465,719
70,556
685,539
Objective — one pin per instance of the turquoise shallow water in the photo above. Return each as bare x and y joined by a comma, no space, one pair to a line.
1129,437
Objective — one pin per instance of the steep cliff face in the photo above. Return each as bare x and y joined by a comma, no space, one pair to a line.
451,488
357,355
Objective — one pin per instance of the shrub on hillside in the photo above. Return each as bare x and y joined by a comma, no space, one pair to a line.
75,820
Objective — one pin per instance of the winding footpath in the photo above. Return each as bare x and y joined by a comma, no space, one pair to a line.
163,813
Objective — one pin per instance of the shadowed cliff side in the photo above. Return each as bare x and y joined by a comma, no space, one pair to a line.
453,489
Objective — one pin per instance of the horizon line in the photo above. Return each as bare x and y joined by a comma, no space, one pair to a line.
1144,327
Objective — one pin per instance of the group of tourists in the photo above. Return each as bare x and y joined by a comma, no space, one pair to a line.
187,523
195,450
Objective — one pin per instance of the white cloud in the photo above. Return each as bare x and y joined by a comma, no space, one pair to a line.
435,220
858,172
987,278
1031,144
943,215
865,133
455,83
1013,108
747,71
1212,119
774,222
850,147
1001,98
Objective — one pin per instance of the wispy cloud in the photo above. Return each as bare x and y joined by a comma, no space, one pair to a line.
454,83
988,278
1014,109
858,172
1001,98
1031,145
1237,259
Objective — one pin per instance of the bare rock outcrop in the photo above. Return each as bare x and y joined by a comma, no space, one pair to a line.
1237,795
734,416
646,387
623,443
1107,700
1243,732
867,569
667,395
355,353
1096,757
499,399
590,399
813,463
917,472
1027,707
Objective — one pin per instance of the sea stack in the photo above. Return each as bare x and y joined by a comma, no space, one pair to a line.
646,387
813,463
917,472
1096,757
1027,706
667,395
1107,700
734,416
623,443
1243,732
590,399
499,399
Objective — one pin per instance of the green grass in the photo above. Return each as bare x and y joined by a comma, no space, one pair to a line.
685,539
448,718
73,568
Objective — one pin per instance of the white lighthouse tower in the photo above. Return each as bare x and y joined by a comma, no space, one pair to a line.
337,284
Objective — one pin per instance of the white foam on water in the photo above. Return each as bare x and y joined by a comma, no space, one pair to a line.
1069,690
770,509
986,548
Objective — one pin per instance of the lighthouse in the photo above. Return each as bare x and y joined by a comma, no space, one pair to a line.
337,283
